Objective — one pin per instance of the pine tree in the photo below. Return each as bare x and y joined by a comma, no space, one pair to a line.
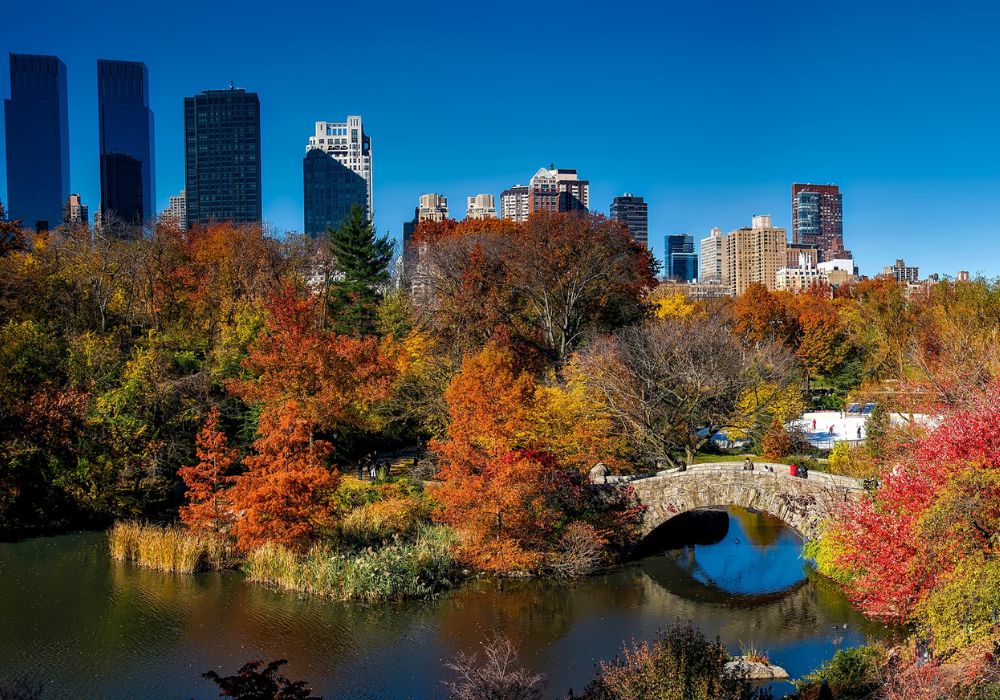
282,495
362,263
207,508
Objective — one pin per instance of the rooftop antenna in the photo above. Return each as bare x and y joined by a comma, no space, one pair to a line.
232,85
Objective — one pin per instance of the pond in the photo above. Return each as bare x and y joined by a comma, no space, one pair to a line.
89,627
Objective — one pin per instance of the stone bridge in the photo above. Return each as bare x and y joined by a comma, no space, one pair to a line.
802,504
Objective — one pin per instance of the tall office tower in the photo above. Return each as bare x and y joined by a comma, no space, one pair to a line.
902,272
558,189
176,212
222,156
574,193
635,213
75,212
543,191
3,213
682,261
754,255
433,207
125,123
712,249
37,126
514,203
818,219
337,174
482,206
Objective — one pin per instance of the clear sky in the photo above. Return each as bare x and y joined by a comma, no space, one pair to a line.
710,110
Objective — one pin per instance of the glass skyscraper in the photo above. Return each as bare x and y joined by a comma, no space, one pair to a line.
818,219
125,122
222,156
682,261
331,189
37,136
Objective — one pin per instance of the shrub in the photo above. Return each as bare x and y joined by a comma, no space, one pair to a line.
581,549
852,461
853,674
777,442
391,572
170,549
826,552
495,677
252,683
964,609
680,663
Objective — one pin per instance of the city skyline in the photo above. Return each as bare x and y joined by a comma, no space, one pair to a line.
910,156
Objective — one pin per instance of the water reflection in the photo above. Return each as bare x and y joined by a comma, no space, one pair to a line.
754,555
98,629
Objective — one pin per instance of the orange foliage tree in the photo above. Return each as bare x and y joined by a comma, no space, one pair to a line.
207,508
282,496
334,379
501,484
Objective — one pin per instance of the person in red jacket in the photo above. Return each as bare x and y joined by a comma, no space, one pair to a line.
793,470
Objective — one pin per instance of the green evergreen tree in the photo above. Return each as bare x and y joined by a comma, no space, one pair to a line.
362,264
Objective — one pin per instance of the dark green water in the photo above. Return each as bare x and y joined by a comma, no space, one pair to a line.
91,628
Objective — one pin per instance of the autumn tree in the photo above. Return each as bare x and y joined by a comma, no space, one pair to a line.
821,346
763,316
501,481
207,508
334,379
936,508
579,275
361,260
281,497
672,384
552,282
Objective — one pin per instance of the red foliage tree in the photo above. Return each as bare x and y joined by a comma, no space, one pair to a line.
927,516
282,496
207,508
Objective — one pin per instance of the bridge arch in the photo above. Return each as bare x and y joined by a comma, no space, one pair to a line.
800,503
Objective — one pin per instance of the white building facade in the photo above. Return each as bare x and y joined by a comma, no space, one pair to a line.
348,144
712,251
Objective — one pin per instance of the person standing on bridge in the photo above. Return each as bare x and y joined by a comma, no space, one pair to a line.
747,464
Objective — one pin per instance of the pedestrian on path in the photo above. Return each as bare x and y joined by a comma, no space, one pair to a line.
814,425
859,432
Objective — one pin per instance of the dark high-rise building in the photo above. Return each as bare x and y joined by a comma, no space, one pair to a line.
331,189
37,126
682,261
222,156
635,213
818,219
125,122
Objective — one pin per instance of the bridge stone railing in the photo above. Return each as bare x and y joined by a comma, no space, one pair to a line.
803,504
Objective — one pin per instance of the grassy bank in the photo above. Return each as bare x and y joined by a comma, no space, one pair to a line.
391,572
170,549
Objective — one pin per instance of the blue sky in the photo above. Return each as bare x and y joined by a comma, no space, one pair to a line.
710,110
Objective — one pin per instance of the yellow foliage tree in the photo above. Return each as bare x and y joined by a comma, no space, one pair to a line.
782,405
672,305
